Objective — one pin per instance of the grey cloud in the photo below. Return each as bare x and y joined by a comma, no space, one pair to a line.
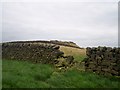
60,0
93,23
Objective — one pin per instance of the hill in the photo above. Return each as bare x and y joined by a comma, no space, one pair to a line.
44,75
69,48
53,42
78,54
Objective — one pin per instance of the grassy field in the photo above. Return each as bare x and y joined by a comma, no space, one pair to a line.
0,74
78,54
19,74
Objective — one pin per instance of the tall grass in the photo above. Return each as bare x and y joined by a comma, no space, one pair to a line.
19,74
25,74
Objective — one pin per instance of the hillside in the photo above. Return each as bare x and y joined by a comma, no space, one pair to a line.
21,74
69,48
42,64
78,54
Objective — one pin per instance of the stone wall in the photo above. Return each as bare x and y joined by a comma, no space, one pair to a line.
55,42
33,52
103,60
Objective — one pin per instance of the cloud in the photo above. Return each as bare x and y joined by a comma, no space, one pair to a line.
0,22
84,22
60,0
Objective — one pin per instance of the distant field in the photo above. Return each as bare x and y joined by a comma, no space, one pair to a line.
19,74
78,54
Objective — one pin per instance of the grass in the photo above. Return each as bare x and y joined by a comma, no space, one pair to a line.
25,74
19,74
0,74
78,54
77,79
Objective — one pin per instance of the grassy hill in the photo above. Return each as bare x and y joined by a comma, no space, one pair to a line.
19,74
23,74
78,54
69,48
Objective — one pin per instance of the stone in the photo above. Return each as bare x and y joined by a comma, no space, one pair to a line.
107,60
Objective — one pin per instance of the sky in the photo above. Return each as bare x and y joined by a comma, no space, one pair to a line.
86,23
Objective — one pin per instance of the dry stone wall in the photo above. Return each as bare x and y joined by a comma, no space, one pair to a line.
103,60
32,52
55,42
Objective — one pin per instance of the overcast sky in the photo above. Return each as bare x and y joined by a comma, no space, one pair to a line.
85,23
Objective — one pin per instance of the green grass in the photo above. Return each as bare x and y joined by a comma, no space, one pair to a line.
25,74
0,74
19,74
79,57
78,54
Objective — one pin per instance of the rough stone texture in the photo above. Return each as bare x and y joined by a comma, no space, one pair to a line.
37,53
103,60
55,42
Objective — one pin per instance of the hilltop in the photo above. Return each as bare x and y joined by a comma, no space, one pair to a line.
68,47
54,42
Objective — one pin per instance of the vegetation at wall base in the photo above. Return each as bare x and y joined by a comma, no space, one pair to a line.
23,74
